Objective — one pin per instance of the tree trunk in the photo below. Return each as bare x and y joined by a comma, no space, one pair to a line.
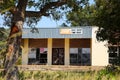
13,51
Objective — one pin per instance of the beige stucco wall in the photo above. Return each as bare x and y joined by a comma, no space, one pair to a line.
99,51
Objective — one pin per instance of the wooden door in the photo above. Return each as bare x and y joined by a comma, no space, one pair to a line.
58,56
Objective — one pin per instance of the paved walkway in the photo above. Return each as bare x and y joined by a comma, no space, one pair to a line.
59,67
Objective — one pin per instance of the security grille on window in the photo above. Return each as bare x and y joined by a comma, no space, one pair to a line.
113,54
77,31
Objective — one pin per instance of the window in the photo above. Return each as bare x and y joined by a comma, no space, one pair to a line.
75,56
37,56
32,56
43,55
113,54
85,56
80,56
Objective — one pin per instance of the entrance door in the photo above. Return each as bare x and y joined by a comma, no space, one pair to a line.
58,56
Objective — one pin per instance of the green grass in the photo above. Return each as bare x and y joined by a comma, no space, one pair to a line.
110,73
68,75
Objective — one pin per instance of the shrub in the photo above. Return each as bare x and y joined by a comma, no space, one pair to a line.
109,73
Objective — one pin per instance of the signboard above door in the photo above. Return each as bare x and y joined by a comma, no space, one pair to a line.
71,31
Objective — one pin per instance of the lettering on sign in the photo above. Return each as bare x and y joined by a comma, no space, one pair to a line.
71,31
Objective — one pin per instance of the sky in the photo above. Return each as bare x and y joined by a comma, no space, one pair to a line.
46,22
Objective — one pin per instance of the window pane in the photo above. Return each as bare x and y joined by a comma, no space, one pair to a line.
37,56
74,50
85,50
32,53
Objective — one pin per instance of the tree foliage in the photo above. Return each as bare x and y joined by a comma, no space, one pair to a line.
83,17
16,12
108,19
3,42
37,8
105,15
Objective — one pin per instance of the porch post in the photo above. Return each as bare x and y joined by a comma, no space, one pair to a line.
91,52
25,52
49,56
67,52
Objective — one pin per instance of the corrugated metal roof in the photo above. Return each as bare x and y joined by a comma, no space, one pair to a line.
86,32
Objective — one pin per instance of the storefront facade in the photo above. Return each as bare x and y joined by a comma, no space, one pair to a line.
63,46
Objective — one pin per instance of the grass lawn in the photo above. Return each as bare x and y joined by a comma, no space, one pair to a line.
109,73
68,75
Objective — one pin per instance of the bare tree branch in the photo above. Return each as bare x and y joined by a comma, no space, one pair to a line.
35,14
22,5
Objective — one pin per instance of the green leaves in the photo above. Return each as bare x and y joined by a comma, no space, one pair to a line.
3,42
49,8
108,20
83,17
7,5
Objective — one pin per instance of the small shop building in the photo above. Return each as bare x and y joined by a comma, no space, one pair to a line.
63,46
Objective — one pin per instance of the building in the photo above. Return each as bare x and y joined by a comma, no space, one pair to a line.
63,46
